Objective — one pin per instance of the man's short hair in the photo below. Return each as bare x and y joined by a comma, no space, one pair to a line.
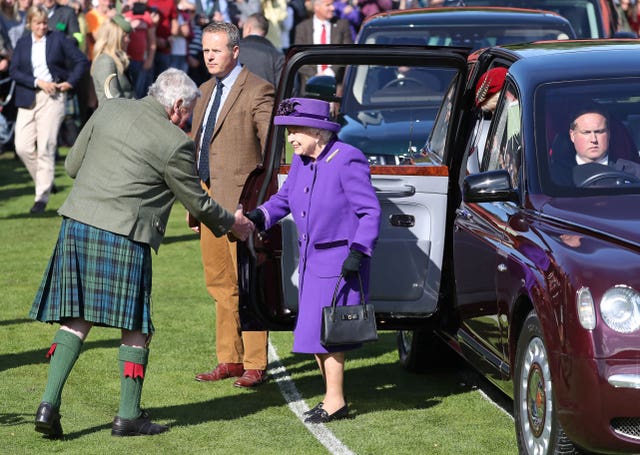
259,22
233,34
589,108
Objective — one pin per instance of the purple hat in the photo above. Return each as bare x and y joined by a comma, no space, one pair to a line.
305,112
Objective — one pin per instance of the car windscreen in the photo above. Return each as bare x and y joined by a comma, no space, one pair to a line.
388,111
588,137
583,14
475,36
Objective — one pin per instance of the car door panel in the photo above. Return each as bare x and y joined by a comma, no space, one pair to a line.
407,261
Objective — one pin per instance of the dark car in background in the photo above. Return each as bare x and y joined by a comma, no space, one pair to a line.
533,280
388,111
591,19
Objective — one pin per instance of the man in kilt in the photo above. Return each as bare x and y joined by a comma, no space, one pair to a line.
130,163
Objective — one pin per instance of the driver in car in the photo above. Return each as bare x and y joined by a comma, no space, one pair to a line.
590,135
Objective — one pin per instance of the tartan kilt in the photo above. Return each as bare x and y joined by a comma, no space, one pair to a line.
98,276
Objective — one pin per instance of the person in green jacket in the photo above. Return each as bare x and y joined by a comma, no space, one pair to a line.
130,163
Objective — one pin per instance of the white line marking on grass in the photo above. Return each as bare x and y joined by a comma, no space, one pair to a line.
298,406
486,397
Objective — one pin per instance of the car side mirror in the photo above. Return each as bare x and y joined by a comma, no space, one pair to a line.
322,88
490,186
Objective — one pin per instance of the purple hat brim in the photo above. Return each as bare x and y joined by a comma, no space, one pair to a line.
288,120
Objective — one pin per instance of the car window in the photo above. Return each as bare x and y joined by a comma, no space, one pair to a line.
388,111
611,162
584,15
474,36
503,148
436,145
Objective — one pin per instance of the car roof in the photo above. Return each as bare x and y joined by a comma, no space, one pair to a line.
572,59
462,16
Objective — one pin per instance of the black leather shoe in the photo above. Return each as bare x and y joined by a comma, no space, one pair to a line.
137,427
38,207
321,416
48,420
314,409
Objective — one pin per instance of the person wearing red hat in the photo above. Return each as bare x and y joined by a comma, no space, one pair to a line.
488,89
487,93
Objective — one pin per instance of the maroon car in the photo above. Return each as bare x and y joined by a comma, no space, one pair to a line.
523,260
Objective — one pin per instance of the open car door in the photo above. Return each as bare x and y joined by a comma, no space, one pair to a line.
386,100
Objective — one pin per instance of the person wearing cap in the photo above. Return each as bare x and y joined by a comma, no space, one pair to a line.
110,60
487,94
46,65
329,193
488,89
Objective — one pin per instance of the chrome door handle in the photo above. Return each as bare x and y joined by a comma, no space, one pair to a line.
398,191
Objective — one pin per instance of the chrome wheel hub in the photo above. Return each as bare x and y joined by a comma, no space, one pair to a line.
536,404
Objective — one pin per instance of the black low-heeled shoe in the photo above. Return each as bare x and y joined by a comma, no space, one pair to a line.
48,421
314,409
142,426
322,416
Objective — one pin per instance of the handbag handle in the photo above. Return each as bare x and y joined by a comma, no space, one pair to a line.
335,295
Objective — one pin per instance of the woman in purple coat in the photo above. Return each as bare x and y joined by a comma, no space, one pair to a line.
329,194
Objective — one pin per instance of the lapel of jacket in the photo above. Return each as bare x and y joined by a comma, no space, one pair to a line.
48,49
232,98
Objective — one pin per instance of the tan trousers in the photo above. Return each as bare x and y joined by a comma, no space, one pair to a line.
36,138
219,258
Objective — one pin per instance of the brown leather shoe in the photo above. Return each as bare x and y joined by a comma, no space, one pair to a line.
222,371
251,378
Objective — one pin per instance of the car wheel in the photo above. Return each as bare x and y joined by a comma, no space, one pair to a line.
421,350
537,428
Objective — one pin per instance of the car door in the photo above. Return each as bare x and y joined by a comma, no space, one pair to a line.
407,262
481,241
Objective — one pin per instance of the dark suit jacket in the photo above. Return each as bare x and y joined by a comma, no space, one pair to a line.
262,58
65,61
340,34
65,20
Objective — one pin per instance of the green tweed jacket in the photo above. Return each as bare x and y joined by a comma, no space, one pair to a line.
130,163
107,81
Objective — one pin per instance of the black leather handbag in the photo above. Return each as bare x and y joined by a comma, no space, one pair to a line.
343,324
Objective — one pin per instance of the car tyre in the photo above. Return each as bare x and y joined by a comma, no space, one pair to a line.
538,430
421,350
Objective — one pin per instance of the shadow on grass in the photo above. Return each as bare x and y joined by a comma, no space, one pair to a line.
9,361
15,321
179,238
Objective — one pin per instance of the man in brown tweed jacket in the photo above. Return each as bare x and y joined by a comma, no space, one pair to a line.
235,146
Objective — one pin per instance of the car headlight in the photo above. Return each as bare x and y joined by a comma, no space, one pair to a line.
620,309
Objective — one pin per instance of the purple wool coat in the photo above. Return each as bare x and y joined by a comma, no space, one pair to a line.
335,208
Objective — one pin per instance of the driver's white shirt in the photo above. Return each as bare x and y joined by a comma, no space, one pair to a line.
604,160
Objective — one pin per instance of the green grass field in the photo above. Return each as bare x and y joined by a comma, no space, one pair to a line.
395,412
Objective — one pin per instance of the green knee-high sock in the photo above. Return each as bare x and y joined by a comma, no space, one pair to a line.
63,358
131,388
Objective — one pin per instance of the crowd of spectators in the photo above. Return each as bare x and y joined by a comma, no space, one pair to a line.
164,33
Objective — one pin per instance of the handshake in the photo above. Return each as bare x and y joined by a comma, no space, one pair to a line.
246,223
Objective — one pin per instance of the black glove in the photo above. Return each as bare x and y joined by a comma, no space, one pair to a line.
257,217
351,265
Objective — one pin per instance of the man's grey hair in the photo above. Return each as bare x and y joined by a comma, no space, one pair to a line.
173,85
233,34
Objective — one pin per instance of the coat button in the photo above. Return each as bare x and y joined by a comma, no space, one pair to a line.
303,214
306,189
312,167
